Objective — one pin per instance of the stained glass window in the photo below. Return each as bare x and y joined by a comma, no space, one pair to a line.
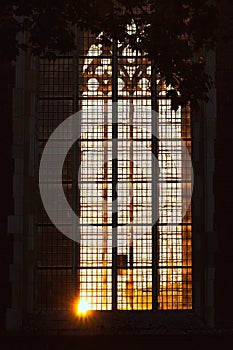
135,249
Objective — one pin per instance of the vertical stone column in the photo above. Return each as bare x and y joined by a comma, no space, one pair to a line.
223,181
21,223
209,135
6,84
204,235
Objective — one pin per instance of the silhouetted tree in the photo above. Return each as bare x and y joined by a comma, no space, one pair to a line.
174,34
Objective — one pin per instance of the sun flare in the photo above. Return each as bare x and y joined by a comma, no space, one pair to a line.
82,307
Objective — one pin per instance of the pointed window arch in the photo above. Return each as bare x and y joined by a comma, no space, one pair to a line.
150,267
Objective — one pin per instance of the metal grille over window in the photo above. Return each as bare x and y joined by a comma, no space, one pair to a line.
153,265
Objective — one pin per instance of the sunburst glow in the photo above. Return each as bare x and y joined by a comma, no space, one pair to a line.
82,307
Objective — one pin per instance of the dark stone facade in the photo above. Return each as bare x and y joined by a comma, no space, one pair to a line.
6,87
223,177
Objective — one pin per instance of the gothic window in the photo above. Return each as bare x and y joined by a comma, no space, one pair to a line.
132,198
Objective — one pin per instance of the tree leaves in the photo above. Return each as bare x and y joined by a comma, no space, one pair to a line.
173,33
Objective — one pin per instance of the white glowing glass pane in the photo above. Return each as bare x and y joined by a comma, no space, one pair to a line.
127,51
99,70
148,70
131,28
95,50
121,84
144,84
130,71
93,84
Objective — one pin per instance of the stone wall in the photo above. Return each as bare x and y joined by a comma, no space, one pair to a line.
223,182
6,207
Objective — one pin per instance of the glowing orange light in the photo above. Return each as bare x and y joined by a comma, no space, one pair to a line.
82,307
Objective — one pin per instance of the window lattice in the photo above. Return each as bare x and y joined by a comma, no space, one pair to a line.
151,268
